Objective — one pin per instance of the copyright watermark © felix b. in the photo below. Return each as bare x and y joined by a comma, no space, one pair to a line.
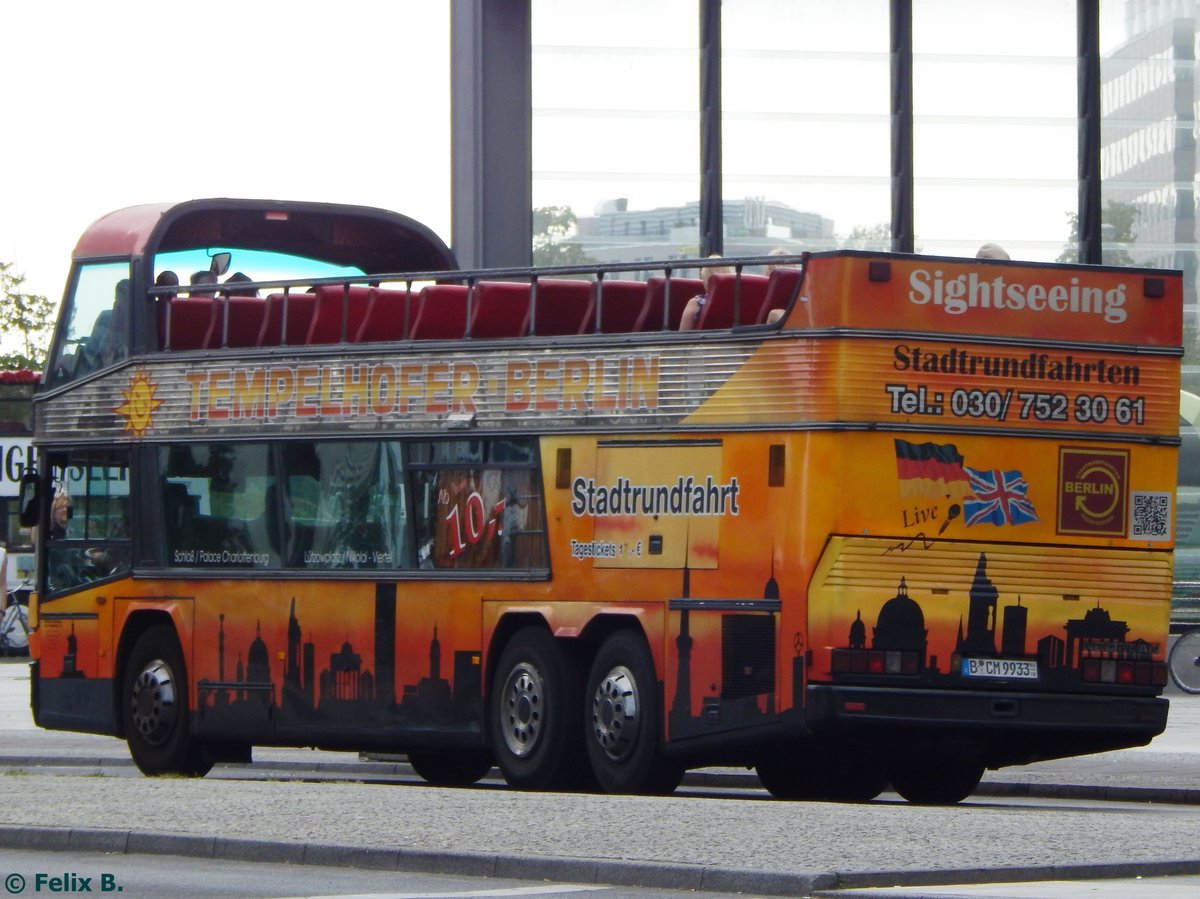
68,883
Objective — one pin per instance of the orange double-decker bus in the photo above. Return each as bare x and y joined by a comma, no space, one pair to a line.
875,519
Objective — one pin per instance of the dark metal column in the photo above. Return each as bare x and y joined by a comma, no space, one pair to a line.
491,171
1087,28
903,240
712,205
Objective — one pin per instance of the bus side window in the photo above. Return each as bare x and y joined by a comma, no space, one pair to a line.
484,517
87,538
348,506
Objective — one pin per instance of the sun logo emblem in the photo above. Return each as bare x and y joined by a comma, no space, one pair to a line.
140,403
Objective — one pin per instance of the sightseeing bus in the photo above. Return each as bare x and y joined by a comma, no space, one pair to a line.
875,519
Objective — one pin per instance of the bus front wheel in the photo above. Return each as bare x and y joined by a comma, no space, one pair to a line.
535,713
625,720
155,711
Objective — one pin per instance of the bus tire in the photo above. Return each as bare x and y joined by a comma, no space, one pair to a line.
834,770
451,767
536,714
936,778
624,720
789,778
155,712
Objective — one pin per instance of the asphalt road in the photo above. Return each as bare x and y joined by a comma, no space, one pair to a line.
1054,820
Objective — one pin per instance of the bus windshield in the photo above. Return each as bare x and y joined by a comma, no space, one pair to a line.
248,265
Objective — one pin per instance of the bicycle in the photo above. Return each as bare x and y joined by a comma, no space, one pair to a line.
1184,661
14,626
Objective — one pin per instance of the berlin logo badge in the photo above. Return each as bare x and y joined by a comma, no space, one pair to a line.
1093,493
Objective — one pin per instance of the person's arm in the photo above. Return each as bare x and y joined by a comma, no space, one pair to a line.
691,313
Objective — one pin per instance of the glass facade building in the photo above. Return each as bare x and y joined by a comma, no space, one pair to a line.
806,126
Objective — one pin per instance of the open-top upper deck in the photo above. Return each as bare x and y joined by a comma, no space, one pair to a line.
337,319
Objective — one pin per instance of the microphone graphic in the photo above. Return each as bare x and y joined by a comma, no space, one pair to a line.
951,514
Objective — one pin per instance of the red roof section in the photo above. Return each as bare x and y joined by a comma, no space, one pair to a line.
120,233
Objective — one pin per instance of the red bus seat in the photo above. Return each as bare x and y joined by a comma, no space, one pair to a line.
723,290
336,306
501,309
388,315
239,321
784,283
441,313
563,307
620,304
299,318
188,323
682,290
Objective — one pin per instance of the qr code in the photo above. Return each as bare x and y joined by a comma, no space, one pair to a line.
1151,516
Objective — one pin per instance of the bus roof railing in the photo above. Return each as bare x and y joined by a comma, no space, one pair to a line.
500,302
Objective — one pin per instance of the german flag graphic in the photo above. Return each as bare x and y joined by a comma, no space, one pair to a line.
931,469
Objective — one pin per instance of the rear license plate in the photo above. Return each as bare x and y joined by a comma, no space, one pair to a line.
1020,669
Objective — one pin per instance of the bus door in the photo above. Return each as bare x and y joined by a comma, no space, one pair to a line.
670,507
85,546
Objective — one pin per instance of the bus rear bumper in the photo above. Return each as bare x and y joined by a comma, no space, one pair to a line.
1043,725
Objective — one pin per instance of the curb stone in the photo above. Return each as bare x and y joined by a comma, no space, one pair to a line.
614,872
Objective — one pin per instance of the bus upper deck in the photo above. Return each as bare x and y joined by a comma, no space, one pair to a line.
316,281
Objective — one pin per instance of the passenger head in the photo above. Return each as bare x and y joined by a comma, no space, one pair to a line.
240,278
167,279
992,251
778,251
709,270
202,282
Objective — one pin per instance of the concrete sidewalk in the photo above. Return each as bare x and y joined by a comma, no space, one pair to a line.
710,844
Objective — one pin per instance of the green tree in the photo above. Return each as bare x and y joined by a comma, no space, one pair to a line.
1119,224
552,225
869,237
876,237
27,316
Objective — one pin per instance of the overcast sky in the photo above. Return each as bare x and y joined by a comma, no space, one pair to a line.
133,101
108,105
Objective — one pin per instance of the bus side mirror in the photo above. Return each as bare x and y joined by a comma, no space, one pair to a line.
28,497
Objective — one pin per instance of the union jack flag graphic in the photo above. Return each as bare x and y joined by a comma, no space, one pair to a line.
1000,498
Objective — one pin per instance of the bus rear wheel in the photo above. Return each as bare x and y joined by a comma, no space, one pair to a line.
536,716
155,711
625,720
830,769
936,778
451,767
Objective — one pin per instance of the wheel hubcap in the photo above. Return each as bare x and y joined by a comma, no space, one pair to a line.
522,711
153,699
615,719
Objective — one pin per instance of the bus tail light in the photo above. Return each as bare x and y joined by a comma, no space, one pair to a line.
875,661
1143,673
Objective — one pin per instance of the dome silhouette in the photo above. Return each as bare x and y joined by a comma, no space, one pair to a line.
901,623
